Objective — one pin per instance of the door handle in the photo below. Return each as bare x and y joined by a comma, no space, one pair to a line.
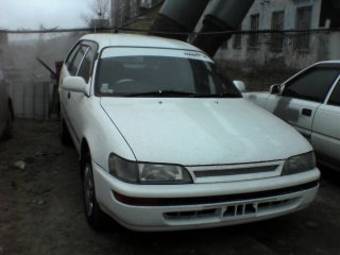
307,112
69,95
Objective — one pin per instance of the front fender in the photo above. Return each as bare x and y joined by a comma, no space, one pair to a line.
102,136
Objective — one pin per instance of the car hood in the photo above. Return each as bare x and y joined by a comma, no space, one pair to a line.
202,131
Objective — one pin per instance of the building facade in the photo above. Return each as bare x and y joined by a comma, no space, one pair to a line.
125,10
294,33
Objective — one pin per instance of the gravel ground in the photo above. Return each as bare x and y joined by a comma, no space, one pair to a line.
41,211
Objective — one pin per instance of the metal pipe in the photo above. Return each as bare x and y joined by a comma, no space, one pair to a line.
178,18
223,15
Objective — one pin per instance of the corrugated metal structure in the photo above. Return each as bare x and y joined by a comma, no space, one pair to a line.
32,100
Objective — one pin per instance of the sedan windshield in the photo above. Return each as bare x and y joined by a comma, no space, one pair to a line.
161,76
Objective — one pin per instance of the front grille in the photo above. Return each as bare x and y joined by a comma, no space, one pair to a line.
238,171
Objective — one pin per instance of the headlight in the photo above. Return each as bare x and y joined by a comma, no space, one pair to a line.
122,169
300,163
145,173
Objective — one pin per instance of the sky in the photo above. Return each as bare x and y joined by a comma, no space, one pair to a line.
31,14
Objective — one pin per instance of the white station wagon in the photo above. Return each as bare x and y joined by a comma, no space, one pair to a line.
166,141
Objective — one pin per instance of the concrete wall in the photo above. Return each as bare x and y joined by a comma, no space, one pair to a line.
334,48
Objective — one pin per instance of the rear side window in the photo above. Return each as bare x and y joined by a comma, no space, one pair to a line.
312,85
86,67
71,55
335,97
77,59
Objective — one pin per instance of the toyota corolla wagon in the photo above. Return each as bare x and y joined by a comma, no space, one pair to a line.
166,141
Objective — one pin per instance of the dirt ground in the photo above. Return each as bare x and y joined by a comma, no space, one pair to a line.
41,211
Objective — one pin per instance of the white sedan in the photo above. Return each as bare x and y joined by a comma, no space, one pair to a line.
166,141
310,102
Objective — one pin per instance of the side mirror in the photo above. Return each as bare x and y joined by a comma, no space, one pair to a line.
275,89
240,85
75,84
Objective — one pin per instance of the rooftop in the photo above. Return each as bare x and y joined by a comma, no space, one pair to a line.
135,40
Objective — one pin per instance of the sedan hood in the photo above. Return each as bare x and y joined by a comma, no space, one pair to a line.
202,131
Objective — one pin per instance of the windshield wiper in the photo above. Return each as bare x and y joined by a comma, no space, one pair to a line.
163,93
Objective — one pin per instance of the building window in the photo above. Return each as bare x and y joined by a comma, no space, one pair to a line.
237,40
254,26
277,25
224,45
303,23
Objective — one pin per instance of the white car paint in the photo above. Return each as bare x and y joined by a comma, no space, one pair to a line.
235,153
319,122
203,127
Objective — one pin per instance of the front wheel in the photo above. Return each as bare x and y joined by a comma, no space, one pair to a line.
95,217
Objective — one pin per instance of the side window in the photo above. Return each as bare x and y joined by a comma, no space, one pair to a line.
75,62
335,97
87,65
71,55
313,85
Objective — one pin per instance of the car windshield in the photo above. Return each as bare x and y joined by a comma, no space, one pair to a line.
153,75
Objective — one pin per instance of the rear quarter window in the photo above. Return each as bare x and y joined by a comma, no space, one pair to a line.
335,97
75,59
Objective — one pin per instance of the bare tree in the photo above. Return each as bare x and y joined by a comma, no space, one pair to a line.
100,10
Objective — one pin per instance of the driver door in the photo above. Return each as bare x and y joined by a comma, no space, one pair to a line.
301,97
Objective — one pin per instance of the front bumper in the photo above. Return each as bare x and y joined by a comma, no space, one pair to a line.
194,206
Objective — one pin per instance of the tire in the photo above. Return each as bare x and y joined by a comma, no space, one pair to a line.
94,216
65,134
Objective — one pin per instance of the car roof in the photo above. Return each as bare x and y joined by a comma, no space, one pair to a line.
330,62
326,64
135,40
